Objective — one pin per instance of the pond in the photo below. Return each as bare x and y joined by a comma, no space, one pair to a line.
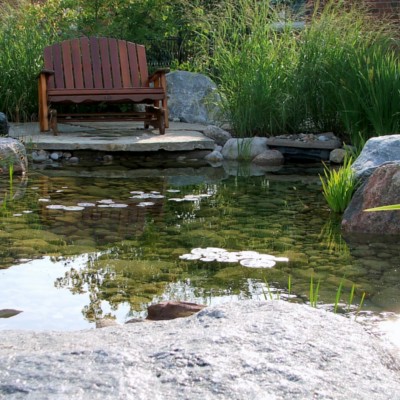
80,244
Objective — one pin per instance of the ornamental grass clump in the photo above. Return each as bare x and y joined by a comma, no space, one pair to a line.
338,185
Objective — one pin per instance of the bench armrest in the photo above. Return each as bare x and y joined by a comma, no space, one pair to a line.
158,73
46,72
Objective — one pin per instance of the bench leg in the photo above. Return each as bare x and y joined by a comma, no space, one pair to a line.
43,107
157,119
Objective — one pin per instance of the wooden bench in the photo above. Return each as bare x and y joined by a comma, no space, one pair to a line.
100,70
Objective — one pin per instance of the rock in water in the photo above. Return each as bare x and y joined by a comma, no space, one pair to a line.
12,152
171,310
380,189
7,313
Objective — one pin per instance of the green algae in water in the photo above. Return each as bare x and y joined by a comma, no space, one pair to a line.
135,250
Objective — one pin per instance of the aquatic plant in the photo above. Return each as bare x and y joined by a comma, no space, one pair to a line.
338,185
391,207
314,292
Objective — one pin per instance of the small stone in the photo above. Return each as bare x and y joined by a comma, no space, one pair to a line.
269,158
67,155
54,156
105,323
337,156
39,156
74,160
219,135
108,158
214,156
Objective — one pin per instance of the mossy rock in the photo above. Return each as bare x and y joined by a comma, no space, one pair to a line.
22,251
5,235
76,249
36,244
297,258
49,237
134,269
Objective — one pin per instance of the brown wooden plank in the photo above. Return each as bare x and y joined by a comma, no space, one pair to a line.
96,62
67,64
48,64
43,107
105,63
77,63
133,64
86,63
115,65
143,72
159,92
58,67
124,62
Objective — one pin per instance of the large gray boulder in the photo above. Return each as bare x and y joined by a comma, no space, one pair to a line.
4,126
380,189
377,151
243,350
12,152
192,98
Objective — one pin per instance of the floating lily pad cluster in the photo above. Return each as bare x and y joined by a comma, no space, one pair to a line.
136,194
249,259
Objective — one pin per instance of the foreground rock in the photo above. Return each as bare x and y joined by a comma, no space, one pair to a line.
245,350
377,151
380,189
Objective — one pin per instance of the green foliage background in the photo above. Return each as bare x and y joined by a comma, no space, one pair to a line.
339,73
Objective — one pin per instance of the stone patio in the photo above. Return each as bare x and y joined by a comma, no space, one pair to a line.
107,136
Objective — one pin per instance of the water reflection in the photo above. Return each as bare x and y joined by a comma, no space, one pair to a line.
114,260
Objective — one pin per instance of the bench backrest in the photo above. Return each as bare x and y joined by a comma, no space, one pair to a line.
96,63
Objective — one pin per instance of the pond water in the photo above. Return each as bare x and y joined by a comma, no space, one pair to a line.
81,244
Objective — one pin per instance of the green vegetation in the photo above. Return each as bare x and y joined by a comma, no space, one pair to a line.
391,207
340,73
338,186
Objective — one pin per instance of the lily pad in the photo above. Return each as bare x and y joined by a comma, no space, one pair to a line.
257,263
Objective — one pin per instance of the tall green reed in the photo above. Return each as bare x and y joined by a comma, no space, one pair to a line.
318,79
25,30
252,62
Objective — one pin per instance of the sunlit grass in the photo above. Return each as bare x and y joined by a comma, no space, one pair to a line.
338,186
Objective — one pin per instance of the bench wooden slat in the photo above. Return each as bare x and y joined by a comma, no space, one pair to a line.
115,67
48,64
105,63
96,63
132,54
82,92
86,64
77,63
67,65
58,67
143,72
124,62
